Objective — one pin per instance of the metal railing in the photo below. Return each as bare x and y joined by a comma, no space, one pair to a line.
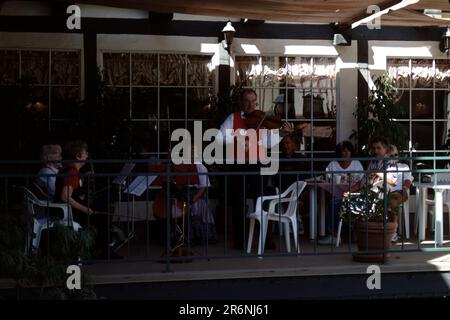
233,190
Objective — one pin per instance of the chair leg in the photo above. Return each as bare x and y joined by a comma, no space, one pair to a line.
295,233
250,235
431,221
406,220
416,222
447,204
262,235
287,236
338,236
37,230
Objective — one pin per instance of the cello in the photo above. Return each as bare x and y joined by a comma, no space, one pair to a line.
177,184
177,200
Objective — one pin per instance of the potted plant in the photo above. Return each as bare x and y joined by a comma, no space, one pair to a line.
373,220
376,116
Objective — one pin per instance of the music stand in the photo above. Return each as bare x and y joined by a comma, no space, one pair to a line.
136,188
121,179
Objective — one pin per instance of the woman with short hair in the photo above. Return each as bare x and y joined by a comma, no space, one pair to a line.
51,157
350,172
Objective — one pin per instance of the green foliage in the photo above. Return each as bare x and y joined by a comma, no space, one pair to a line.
68,244
369,205
376,117
225,103
42,277
104,122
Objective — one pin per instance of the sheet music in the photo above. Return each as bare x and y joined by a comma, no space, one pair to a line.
126,170
139,185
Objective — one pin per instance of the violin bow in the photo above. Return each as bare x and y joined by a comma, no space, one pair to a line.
262,120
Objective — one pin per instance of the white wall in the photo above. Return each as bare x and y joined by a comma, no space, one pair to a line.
347,89
379,51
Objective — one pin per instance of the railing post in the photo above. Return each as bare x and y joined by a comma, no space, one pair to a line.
386,212
168,217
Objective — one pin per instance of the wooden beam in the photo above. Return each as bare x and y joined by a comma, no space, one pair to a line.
363,14
408,17
343,12
430,4
160,17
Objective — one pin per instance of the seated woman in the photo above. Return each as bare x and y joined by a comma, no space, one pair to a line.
355,173
51,156
68,190
203,228
399,178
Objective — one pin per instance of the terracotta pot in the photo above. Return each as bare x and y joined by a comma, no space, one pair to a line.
369,237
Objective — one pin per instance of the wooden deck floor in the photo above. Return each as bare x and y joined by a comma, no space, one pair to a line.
233,264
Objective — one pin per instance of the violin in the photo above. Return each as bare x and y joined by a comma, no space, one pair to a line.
260,120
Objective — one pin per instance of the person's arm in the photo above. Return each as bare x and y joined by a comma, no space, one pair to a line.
198,195
275,136
66,196
357,185
329,168
406,185
203,182
392,177
51,186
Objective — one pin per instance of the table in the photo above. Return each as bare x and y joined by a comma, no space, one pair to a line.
322,186
421,197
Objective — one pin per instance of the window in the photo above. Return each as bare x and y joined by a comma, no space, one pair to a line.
423,102
162,92
53,78
302,90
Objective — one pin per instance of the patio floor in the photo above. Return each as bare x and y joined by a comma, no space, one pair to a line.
235,264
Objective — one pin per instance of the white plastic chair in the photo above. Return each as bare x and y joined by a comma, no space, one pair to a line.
276,213
429,203
39,223
405,210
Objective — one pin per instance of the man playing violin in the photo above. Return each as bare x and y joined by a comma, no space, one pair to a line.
237,121
235,124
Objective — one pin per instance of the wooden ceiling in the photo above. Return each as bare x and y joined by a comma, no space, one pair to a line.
343,12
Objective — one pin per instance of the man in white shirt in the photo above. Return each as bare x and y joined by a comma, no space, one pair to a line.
235,123
400,179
